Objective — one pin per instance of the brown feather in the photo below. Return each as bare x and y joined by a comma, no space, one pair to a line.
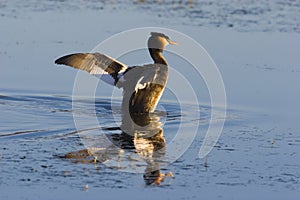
91,61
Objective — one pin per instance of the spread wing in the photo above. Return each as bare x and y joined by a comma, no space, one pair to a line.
100,65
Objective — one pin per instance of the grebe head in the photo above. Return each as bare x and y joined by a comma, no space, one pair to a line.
159,41
156,45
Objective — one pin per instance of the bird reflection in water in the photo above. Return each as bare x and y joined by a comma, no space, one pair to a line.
140,143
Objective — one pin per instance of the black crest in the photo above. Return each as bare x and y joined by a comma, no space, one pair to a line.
159,35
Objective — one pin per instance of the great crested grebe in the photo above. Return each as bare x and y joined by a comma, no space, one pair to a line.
142,85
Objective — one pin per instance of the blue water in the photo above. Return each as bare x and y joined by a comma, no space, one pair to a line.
255,45
38,129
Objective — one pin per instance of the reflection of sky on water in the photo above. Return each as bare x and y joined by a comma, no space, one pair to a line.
258,150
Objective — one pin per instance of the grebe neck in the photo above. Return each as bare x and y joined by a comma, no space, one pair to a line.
156,55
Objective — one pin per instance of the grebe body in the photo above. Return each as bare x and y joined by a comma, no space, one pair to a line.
142,85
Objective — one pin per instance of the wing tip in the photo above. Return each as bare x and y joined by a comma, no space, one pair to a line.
64,60
58,61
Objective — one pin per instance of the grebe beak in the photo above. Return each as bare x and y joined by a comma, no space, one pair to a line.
172,42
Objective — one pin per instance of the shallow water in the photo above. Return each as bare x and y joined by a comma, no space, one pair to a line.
256,49
30,152
249,155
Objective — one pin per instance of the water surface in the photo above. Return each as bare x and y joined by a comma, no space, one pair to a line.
255,46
